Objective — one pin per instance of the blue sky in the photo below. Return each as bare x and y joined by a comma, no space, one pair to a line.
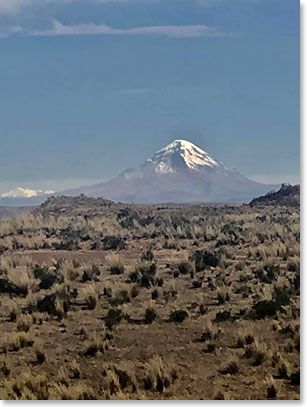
89,88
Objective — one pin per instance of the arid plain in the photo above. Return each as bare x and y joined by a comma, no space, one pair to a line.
101,300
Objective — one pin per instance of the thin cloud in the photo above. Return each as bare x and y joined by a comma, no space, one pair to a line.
9,7
10,31
17,20
172,31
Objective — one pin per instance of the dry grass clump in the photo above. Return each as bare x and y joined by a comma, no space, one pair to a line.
272,387
223,294
257,352
119,380
24,323
29,386
246,334
63,376
150,315
40,356
6,264
158,376
122,382
231,367
69,270
5,368
93,345
178,316
75,370
10,309
74,391
26,387
14,341
37,318
210,331
282,365
90,296
113,318
115,265
20,274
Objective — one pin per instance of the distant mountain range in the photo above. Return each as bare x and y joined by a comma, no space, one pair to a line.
21,196
179,173
22,192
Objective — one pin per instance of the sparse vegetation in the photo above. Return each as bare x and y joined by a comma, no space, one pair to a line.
150,315
109,301
178,316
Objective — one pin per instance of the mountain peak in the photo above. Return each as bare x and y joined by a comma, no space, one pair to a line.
180,142
180,172
182,154
21,192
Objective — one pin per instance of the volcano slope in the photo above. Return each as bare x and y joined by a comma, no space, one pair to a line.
112,301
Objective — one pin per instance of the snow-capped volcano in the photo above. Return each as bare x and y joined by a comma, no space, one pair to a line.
181,153
21,192
179,172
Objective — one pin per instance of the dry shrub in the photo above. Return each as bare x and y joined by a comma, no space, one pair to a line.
5,368
93,345
258,352
40,356
69,271
223,294
75,370
75,391
13,341
63,376
246,334
231,366
158,376
20,275
37,318
24,323
283,368
120,382
117,380
114,263
209,331
272,387
90,296
27,387
11,309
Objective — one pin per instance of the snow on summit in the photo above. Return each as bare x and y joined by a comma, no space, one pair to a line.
182,153
21,192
